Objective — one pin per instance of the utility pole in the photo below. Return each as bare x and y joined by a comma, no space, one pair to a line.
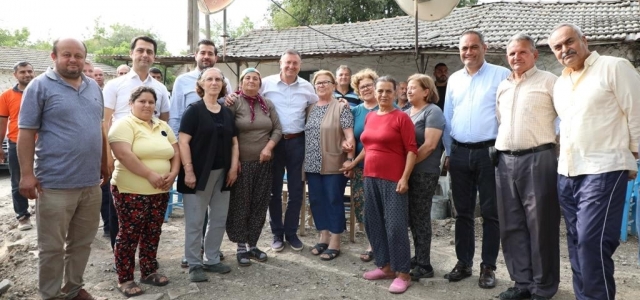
193,26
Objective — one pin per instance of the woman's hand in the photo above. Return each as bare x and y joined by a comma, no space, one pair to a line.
349,174
346,146
155,179
232,175
265,155
169,179
403,186
190,179
347,166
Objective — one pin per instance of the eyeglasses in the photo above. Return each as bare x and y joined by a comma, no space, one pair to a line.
322,83
365,87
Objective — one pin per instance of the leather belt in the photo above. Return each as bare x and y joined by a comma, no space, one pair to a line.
293,135
530,150
479,145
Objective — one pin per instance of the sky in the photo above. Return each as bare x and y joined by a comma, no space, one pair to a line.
49,19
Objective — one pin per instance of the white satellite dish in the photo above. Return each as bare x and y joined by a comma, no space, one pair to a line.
428,10
212,6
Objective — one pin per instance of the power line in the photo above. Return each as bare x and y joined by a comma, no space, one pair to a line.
316,30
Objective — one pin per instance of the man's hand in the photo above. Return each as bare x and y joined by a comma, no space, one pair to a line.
30,186
229,100
105,172
633,175
2,156
445,166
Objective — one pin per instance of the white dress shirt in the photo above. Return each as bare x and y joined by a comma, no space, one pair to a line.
290,100
117,93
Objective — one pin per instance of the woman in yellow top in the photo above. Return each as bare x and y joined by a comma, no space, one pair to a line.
147,163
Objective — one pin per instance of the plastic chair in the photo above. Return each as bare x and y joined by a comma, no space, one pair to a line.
173,194
630,208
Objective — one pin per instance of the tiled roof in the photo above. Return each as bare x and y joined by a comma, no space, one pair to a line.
610,21
39,59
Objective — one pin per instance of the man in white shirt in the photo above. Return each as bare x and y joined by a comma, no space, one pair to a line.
117,93
598,101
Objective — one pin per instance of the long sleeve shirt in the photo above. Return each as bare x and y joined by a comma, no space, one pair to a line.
599,112
470,105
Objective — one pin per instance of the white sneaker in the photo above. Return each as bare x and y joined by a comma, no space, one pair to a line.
24,224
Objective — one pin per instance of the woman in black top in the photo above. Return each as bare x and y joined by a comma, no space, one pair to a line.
209,151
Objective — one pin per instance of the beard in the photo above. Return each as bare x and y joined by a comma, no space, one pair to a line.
69,74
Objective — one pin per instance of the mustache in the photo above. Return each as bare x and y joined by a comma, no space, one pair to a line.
569,52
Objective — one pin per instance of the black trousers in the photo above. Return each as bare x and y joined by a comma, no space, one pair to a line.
472,172
530,220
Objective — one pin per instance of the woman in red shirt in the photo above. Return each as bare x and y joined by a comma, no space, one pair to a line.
389,153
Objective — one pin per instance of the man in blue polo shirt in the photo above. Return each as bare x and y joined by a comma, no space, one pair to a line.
65,109
343,86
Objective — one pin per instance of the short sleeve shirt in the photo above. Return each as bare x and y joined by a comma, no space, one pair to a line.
429,117
313,151
68,151
117,93
10,108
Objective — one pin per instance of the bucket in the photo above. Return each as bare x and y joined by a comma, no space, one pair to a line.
439,207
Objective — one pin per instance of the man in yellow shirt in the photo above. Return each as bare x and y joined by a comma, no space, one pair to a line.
598,101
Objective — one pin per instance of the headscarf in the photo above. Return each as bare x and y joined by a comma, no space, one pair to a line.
252,99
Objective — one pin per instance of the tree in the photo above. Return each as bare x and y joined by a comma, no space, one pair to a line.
464,3
17,38
313,12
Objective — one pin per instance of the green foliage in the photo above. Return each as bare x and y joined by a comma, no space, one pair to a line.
313,12
17,38
246,25
464,3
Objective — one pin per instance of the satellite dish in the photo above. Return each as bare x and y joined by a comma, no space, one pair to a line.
208,7
428,10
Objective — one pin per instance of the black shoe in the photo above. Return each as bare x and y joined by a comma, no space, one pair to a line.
420,272
414,262
257,254
514,293
221,256
459,272
243,259
536,297
294,242
487,278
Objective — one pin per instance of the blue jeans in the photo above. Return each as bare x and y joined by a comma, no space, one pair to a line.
326,200
20,203
287,154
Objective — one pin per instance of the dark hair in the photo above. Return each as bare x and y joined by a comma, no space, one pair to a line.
477,33
200,90
439,65
21,64
208,43
140,90
146,39
55,47
387,78
155,70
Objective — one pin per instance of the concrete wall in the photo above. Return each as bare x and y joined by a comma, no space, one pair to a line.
402,66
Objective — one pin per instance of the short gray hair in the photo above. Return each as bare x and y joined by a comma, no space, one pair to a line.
343,67
575,28
291,52
518,37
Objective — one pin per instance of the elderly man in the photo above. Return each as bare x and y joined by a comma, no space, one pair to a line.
64,108
98,76
122,70
9,110
598,101
343,87
525,176
441,75
469,137
402,101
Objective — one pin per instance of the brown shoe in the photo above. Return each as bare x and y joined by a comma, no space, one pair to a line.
83,295
459,272
487,278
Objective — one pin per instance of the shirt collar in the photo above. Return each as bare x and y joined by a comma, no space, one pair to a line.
51,73
295,82
132,74
484,64
154,119
587,63
526,74
16,89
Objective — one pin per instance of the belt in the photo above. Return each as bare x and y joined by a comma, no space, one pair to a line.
530,150
479,145
293,135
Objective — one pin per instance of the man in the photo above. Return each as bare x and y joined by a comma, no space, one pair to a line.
528,207
441,76
402,101
98,76
184,93
184,88
88,69
470,132
343,88
122,70
598,101
156,74
9,110
64,108
291,95
118,91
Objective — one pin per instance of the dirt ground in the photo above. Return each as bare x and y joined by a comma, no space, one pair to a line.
286,275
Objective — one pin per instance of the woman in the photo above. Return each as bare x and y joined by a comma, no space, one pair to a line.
147,163
328,124
389,152
429,124
363,85
209,151
258,132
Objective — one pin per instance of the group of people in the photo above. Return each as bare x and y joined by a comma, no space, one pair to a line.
229,152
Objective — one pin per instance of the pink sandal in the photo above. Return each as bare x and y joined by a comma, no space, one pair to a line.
399,286
376,275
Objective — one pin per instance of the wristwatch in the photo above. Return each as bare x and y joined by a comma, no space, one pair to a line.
350,159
